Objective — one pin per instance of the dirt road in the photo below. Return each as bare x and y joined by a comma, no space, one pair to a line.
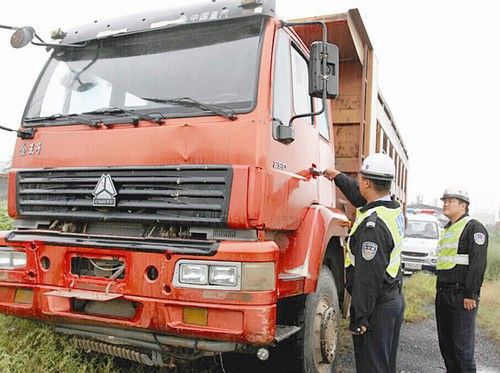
419,351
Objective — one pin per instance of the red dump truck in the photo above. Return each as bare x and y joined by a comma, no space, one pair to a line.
164,190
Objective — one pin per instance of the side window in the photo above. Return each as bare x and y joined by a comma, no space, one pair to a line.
282,94
322,120
301,98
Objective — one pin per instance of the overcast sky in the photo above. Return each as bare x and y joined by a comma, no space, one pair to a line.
438,70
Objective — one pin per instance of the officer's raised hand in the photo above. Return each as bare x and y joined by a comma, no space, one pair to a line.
330,173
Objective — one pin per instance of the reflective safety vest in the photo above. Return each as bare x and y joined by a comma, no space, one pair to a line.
447,255
394,220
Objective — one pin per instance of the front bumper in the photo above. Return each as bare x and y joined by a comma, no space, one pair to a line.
158,307
414,263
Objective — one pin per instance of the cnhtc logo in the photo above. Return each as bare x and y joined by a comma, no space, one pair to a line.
105,192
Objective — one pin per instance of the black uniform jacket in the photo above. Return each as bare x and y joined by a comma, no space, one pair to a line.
372,243
473,241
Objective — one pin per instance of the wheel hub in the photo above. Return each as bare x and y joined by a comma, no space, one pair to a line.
328,335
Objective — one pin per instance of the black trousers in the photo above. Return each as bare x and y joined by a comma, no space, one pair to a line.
456,329
376,350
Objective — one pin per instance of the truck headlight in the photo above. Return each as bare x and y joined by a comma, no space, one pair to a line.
194,274
223,275
11,258
217,275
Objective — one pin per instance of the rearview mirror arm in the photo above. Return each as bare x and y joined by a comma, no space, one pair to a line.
323,65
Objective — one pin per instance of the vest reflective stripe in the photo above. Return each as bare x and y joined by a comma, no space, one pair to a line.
394,220
457,259
350,258
453,245
448,256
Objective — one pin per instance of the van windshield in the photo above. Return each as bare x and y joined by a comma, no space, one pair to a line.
422,229
214,62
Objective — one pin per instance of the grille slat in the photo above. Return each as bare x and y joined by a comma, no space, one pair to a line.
57,191
124,204
179,194
173,193
128,191
147,179
123,217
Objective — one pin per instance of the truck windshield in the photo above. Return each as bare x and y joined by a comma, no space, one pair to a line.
215,63
422,229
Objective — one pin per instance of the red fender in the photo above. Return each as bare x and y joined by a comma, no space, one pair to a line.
303,254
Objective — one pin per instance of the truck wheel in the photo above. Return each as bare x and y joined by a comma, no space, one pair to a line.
317,341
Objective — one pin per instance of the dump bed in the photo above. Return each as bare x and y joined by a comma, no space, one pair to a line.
362,121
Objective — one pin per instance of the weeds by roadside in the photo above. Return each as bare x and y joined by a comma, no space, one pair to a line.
493,268
26,346
419,291
5,222
489,309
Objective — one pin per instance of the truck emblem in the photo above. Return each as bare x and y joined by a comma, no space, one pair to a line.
105,192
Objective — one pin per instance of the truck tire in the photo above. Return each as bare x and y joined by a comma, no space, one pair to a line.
316,343
318,316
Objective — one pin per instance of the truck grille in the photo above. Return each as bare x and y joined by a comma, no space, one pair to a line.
182,194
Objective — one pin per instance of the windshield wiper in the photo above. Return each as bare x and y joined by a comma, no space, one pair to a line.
49,118
223,111
117,111
68,117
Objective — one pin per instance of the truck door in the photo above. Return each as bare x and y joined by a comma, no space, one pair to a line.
326,155
290,191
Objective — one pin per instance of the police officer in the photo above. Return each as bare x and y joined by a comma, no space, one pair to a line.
373,264
461,263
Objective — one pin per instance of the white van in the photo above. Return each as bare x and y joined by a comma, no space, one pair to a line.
420,242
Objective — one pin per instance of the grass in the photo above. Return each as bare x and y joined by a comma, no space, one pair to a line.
493,268
5,222
345,337
489,309
26,346
419,291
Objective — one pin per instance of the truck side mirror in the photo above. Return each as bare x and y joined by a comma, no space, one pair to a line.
331,75
283,133
25,35
22,37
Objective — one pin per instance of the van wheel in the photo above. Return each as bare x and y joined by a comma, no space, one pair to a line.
316,343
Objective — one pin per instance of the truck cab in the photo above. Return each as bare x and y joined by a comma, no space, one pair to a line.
164,184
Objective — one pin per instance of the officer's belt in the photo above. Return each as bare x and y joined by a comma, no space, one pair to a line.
450,285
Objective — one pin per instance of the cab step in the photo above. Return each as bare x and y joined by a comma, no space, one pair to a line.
285,331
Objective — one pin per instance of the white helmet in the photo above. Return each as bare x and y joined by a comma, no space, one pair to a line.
456,192
378,166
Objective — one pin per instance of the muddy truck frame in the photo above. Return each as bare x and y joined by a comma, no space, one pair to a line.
164,184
